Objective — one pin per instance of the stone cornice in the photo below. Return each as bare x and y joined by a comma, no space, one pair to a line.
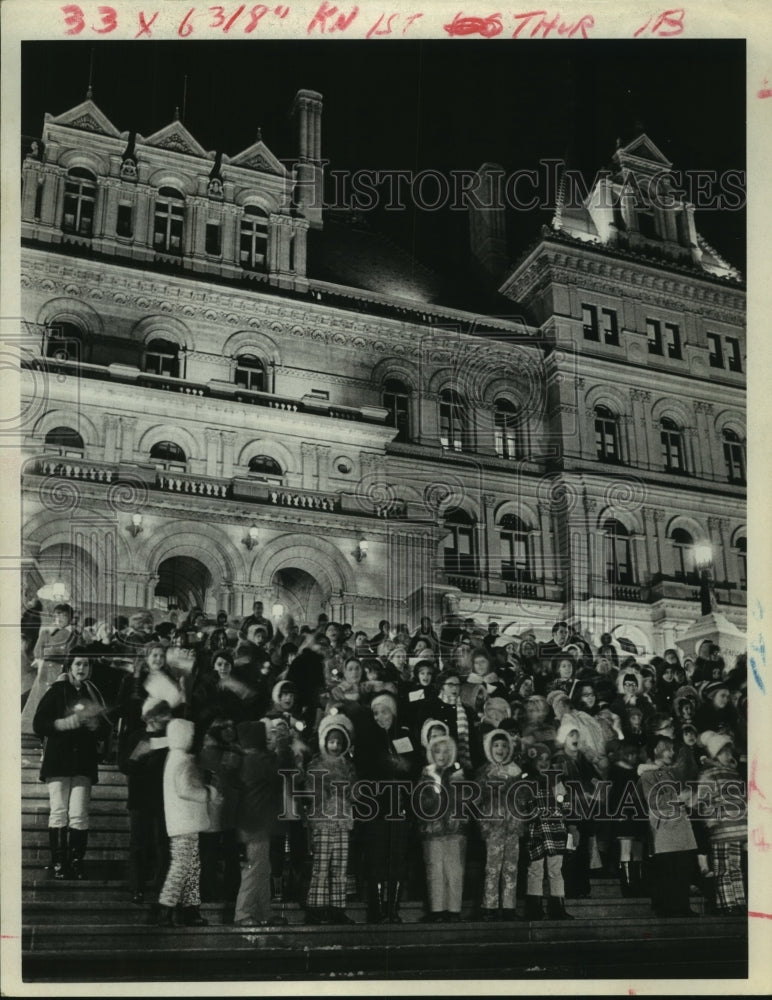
636,279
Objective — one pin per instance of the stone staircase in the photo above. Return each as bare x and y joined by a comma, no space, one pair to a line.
90,931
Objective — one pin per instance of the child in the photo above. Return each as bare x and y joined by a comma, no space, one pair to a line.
580,777
331,775
725,821
143,762
186,802
220,757
442,831
671,834
546,837
501,828
629,823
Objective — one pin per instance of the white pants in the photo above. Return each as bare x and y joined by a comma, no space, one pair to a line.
70,799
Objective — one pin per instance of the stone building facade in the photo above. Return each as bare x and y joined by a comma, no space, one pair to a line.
218,416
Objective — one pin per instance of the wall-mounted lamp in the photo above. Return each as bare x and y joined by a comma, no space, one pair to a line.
361,550
703,560
250,540
57,592
136,525
277,610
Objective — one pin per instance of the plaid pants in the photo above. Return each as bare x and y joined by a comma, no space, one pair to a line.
328,876
726,862
182,879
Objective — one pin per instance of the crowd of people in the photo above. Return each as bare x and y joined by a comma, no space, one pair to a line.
267,761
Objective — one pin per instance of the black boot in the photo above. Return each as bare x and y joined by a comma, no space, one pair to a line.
165,917
78,844
533,908
191,917
509,914
376,902
316,915
395,896
556,908
626,879
337,915
57,839
488,915
639,881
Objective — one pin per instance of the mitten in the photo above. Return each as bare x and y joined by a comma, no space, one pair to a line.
66,724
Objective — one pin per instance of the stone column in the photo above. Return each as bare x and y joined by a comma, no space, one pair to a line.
212,438
487,538
652,551
128,435
31,175
51,203
717,527
230,235
549,568
640,428
664,550
323,465
111,421
693,451
228,457
309,465
427,429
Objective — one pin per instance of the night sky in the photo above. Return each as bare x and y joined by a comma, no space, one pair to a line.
425,105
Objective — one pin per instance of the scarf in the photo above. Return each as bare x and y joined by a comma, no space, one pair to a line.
462,727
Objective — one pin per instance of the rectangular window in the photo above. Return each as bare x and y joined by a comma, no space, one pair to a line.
716,351
320,393
213,238
590,322
610,329
733,352
124,225
654,331
673,340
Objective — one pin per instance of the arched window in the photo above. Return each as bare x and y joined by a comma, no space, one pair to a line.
254,239
672,446
741,547
606,435
396,399
65,441
168,221
162,358
79,197
683,555
619,568
250,372
454,421
65,342
734,456
263,467
169,456
516,564
459,546
507,430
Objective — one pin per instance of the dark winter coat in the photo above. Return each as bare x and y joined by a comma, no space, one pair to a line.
73,752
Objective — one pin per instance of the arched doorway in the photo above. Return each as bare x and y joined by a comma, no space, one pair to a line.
183,583
301,595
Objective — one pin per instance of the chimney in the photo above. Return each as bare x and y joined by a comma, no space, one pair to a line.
309,191
487,222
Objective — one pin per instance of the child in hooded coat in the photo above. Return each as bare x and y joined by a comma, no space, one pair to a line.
186,804
725,820
499,824
267,751
442,830
330,776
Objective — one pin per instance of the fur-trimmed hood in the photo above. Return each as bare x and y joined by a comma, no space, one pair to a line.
628,672
488,739
430,724
435,744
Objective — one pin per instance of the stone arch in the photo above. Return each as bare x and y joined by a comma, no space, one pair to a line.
161,328
45,531
731,420
259,198
67,418
252,341
207,543
741,532
692,525
445,378
170,432
527,514
677,411
67,310
86,158
503,388
317,556
273,449
628,518
186,184
607,395
394,368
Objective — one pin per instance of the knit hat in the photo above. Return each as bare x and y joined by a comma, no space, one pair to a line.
714,743
426,728
336,722
567,725
386,699
713,687
280,687
555,696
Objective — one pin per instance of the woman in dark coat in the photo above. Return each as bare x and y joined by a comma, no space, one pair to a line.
71,719
387,757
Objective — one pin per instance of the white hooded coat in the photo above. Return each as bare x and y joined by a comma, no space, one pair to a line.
185,795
